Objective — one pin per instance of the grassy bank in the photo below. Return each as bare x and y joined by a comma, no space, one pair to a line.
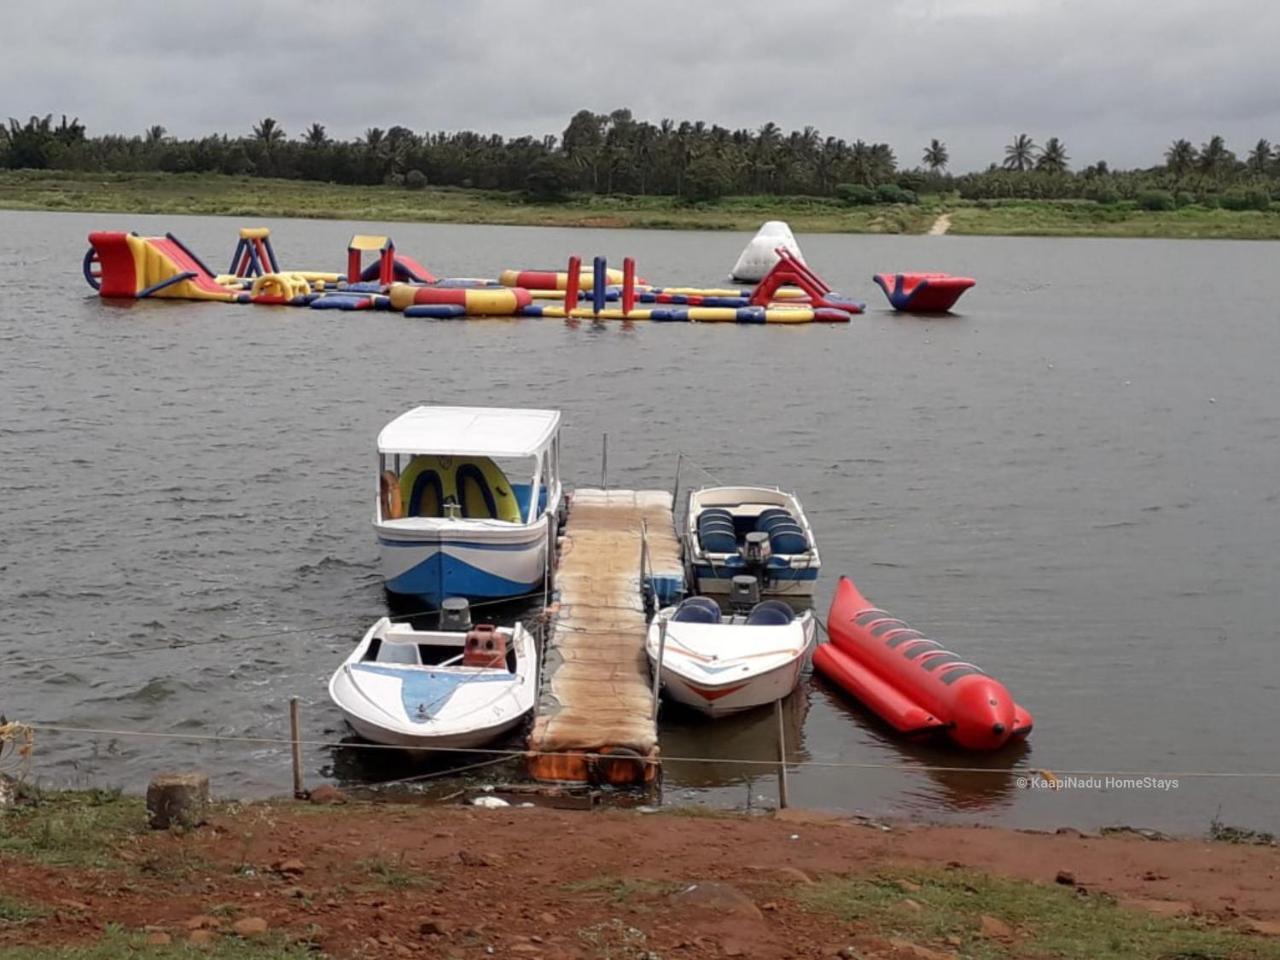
255,197
1083,218
251,197
82,878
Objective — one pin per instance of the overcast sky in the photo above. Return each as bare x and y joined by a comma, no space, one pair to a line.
1115,79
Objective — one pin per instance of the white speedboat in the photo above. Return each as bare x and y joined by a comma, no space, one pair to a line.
468,500
723,663
424,688
759,531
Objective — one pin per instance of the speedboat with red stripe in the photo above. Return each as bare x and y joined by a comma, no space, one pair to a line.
720,663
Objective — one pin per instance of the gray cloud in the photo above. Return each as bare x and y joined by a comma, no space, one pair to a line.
1116,80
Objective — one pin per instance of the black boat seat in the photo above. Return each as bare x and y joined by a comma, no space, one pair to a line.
697,610
770,613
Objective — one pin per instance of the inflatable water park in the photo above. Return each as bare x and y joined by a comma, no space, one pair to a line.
377,276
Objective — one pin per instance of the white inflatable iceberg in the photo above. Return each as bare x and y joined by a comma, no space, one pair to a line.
758,257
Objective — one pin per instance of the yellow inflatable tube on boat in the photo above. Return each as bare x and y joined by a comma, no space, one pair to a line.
465,480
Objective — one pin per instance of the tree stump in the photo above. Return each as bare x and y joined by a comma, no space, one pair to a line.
177,798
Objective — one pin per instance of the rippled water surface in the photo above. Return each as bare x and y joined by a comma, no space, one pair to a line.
1075,483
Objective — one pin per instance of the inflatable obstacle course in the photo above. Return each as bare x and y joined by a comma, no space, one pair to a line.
378,276
809,300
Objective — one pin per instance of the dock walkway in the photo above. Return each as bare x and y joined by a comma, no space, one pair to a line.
596,695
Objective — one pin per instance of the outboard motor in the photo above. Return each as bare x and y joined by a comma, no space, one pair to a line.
756,550
455,614
744,592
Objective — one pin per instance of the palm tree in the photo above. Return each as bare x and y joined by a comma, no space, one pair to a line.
860,164
1180,157
316,135
268,131
69,132
1020,154
936,156
155,134
1260,157
1053,156
883,163
1215,157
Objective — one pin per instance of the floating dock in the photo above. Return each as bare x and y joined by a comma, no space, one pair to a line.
595,718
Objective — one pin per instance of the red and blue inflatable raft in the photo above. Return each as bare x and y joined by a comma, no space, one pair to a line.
910,681
923,292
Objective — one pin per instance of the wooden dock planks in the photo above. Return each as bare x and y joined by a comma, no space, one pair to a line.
596,695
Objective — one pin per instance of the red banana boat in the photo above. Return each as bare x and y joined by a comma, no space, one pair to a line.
911,682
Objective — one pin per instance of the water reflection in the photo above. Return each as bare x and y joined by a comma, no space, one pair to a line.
955,778
751,735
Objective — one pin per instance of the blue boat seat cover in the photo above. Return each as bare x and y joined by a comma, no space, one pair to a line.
718,541
770,613
788,539
697,610
767,523
769,513
716,526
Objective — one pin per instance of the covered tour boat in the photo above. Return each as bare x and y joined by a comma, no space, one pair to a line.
468,501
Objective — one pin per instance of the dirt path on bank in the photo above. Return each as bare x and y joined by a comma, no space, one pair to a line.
364,880
940,226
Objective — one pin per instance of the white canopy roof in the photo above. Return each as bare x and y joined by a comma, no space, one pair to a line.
470,432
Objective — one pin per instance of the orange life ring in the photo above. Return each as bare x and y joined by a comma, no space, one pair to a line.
389,492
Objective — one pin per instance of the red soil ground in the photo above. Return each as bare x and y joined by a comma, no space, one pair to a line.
366,880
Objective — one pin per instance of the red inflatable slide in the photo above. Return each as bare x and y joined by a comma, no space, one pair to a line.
911,682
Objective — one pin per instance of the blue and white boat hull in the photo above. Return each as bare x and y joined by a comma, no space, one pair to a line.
479,561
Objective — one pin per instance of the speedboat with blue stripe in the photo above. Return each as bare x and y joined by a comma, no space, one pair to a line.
427,688
469,502
754,531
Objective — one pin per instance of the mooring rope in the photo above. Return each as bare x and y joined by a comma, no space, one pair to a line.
737,761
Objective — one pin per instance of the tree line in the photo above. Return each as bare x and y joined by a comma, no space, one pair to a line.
616,154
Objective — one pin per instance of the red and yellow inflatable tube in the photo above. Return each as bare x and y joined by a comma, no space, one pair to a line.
554,279
477,301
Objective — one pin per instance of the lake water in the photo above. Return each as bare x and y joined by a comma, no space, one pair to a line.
1074,483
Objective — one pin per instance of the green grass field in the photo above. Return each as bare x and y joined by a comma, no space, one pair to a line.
208,194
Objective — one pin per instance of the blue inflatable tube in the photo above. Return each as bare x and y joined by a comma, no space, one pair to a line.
342,301
437,311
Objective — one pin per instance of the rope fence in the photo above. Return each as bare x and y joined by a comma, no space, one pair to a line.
511,754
